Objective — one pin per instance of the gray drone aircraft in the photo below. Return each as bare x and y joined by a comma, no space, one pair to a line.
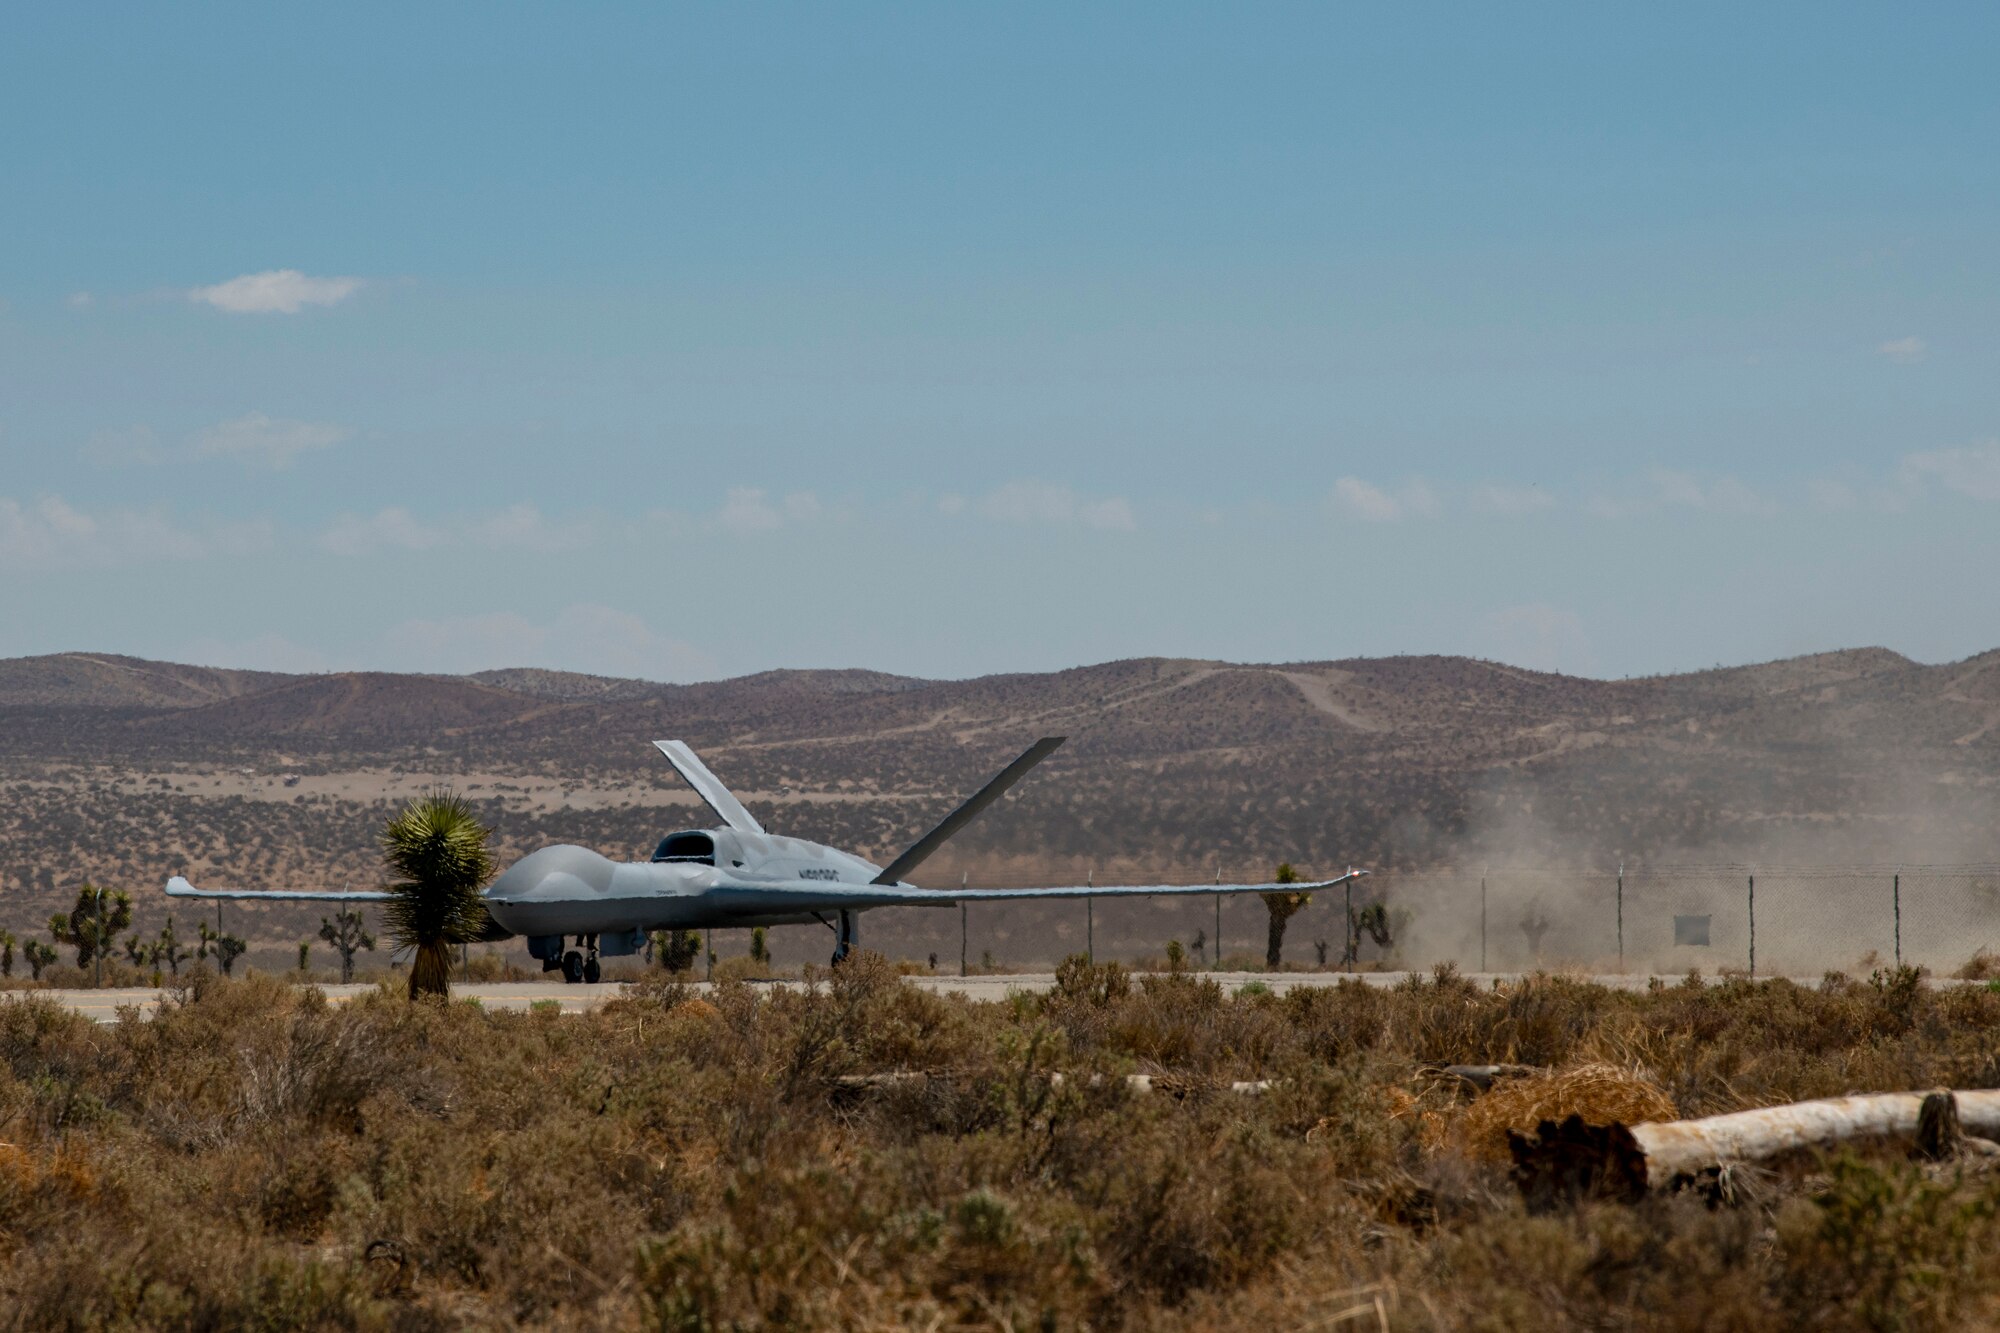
735,875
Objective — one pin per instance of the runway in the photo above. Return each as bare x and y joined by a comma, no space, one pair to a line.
103,1006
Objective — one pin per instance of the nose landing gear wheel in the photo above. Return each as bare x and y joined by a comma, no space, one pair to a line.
572,967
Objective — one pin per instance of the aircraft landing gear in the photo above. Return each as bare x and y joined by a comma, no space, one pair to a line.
847,937
582,967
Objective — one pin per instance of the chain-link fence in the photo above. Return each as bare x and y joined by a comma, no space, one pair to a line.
1658,920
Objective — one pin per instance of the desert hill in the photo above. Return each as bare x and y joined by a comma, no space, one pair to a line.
105,680
127,770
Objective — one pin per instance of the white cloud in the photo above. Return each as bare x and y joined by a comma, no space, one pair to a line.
1722,495
520,527
1603,506
1373,504
1495,498
1903,351
1536,636
81,300
50,533
1042,503
523,527
282,291
393,529
1972,471
266,441
749,509
596,639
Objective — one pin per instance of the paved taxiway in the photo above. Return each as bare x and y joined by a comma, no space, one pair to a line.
103,1005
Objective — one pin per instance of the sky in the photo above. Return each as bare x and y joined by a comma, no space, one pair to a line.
690,341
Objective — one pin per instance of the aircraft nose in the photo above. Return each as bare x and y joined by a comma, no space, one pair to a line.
553,874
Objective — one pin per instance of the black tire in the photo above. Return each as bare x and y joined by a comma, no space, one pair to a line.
572,967
592,972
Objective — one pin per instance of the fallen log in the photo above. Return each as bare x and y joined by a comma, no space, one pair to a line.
1174,1085
1479,1078
1570,1160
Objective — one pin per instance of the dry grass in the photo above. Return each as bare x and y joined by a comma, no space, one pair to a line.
259,1157
1602,1094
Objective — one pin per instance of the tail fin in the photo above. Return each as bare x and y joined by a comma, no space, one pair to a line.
920,850
720,799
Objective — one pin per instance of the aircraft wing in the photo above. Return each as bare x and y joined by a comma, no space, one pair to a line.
180,888
1135,891
755,899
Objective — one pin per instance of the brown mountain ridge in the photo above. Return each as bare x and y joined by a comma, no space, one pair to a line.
128,770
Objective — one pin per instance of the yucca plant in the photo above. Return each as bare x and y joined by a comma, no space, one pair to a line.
438,863
1283,907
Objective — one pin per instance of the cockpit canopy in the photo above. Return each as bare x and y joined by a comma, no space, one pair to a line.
687,848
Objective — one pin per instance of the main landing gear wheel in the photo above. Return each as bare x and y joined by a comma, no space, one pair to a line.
572,967
591,972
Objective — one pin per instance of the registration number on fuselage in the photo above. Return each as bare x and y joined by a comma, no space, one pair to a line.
831,876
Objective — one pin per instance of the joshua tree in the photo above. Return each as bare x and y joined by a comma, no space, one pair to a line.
1373,921
676,949
167,949
228,948
98,917
7,943
437,857
1176,955
1319,951
137,950
1534,924
39,956
348,934
760,951
1283,907
1200,947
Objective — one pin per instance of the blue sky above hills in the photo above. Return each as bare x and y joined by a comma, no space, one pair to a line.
948,341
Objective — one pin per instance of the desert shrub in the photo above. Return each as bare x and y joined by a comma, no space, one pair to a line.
851,1151
1885,1246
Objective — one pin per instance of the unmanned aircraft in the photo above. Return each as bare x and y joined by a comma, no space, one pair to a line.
731,876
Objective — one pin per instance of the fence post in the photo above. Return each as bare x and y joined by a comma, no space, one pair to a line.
1482,921
1621,916
1896,901
1090,918
1353,940
1753,927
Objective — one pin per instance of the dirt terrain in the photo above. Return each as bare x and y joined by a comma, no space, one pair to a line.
126,771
